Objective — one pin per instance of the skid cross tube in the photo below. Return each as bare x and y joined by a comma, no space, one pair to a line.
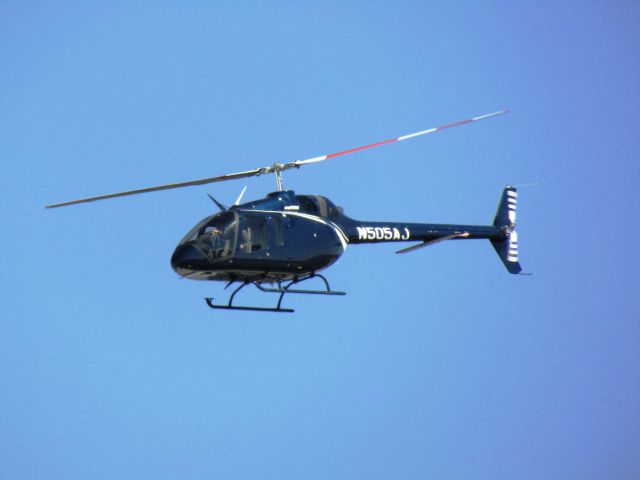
288,289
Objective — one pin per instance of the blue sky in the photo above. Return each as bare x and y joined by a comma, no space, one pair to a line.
437,363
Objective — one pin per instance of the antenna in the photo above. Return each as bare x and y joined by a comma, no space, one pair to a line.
240,196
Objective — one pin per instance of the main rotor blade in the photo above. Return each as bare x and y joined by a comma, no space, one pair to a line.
392,140
276,167
203,181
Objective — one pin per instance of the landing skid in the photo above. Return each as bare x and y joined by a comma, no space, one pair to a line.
282,290
252,309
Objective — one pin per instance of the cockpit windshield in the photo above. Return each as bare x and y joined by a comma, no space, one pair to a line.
215,235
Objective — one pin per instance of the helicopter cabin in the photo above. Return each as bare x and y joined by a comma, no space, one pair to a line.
240,243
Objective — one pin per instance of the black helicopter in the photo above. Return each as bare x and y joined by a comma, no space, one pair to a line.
284,239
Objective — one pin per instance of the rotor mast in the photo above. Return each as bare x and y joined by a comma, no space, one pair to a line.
277,168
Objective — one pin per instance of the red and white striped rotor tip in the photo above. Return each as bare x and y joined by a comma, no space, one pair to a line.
401,138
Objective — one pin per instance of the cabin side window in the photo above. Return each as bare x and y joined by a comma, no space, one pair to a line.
307,204
318,205
277,229
253,233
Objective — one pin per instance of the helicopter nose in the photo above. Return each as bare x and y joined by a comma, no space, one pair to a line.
186,258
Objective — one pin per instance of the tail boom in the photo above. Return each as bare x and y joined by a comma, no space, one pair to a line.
377,232
502,234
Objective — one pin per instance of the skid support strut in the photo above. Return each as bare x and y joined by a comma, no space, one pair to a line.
281,289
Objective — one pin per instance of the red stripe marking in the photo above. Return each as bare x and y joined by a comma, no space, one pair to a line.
357,149
454,124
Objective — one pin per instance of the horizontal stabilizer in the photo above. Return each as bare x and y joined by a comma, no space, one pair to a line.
431,242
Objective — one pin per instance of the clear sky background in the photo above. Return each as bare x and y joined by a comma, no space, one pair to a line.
437,364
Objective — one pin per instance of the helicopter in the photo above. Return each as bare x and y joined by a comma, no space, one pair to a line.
277,242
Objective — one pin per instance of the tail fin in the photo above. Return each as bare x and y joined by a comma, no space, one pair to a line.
507,248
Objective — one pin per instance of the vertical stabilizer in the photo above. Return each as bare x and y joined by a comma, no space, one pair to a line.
505,219
506,214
